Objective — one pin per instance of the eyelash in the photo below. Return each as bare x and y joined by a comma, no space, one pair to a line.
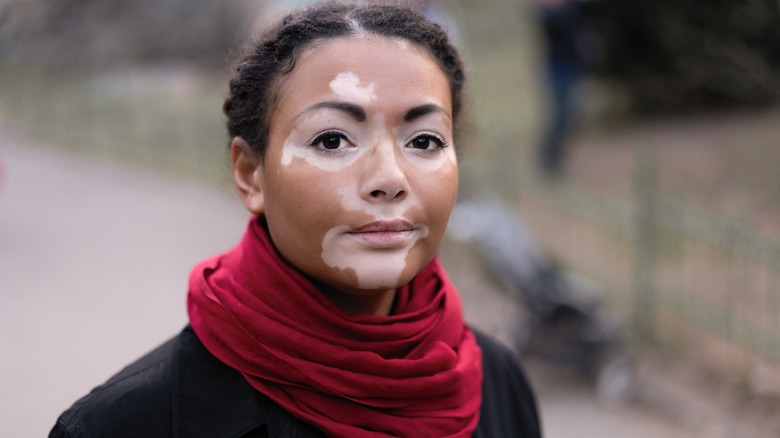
321,137
441,142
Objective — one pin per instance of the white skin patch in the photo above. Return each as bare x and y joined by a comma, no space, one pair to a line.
435,162
426,161
402,43
294,148
295,145
347,85
409,88
374,269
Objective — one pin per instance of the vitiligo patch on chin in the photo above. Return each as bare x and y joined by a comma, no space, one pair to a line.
374,269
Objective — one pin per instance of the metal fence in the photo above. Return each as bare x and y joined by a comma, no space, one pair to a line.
161,118
658,258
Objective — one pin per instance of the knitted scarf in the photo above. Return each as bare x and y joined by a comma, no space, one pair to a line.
417,372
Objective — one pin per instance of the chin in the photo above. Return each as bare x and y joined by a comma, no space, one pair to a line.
383,280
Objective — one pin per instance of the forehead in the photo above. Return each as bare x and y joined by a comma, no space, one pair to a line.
354,49
392,65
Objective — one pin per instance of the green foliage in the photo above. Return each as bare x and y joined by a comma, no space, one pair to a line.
676,56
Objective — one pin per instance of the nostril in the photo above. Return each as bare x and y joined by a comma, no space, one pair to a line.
389,195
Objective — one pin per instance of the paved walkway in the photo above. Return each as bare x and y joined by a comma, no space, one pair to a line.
94,258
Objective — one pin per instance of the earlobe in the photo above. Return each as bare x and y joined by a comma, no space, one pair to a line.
247,175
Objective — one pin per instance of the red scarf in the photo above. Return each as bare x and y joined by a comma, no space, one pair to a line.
415,373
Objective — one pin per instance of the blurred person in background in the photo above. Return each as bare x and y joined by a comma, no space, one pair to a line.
565,52
332,316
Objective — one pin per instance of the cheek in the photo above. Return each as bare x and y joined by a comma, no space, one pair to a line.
436,193
301,207
439,189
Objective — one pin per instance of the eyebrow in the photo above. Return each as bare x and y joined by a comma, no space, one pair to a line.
423,110
353,110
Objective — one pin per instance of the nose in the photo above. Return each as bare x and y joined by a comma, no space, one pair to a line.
384,178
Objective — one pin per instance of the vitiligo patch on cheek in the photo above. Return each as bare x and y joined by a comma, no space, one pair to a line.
296,146
347,85
293,149
431,163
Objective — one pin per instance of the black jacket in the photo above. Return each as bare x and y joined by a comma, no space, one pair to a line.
180,390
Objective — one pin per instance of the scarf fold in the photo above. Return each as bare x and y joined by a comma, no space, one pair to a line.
417,372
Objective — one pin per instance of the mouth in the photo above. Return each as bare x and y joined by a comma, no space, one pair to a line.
384,234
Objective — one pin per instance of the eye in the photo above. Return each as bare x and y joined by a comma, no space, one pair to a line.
427,142
331,140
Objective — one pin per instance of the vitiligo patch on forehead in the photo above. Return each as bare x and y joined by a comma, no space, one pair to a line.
402,43
347,85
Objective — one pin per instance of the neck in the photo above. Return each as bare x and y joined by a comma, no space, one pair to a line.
377,303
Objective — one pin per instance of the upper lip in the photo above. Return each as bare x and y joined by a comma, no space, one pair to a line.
397,225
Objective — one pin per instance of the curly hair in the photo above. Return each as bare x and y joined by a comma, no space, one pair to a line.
254,85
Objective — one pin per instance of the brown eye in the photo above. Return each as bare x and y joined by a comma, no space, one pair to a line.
427,142
330,141
421,143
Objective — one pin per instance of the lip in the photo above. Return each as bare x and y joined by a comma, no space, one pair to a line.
384,234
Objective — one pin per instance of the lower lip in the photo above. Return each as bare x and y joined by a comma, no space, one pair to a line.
384,239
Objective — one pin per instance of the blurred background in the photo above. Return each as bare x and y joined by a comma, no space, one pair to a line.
636,142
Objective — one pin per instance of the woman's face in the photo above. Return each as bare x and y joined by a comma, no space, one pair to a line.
360,175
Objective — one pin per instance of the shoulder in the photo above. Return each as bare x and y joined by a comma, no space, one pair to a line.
179,389
508,402
136,400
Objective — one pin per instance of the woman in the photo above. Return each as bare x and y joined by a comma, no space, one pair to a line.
332,317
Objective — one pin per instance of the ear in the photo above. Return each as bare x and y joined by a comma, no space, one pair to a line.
247,175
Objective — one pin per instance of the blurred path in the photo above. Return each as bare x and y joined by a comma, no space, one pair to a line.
94,259
567,400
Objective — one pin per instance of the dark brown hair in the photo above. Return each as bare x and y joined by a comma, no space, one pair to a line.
255,81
